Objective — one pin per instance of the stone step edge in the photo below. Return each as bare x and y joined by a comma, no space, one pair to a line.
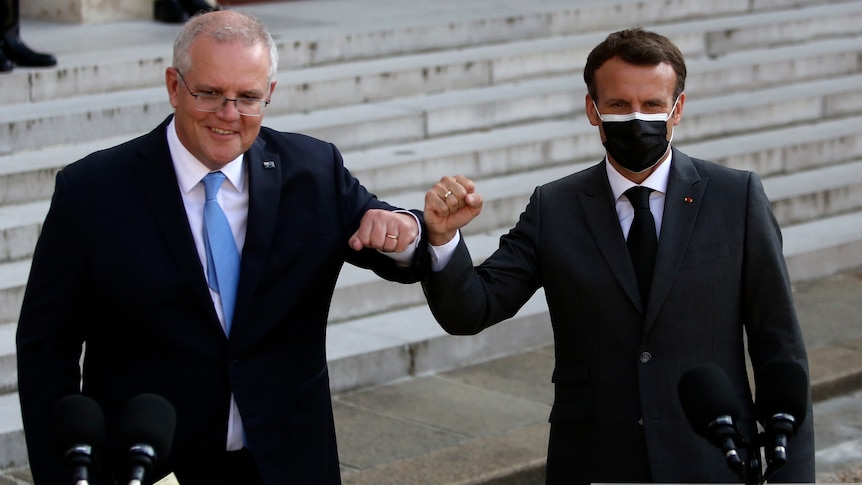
424,106
302,80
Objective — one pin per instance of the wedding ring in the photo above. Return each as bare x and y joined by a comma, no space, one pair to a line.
390,236
447,194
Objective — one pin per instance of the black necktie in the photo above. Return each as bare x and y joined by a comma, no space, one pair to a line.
642,240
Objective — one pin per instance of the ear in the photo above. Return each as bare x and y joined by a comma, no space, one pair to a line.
172,82
590,109
677,112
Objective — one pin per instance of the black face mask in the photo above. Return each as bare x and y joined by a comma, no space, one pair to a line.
636,141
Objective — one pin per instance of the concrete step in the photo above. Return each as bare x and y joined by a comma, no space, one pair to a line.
13,278
385,129
13,448
29,175
82,118
20,225
8,364
456,361
812,60
806,196
388,332
757,110
472,96
786,150
735,33
776,114
137,52
796,197
823,247
560,147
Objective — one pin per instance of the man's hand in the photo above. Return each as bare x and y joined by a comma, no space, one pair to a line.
450,205
386,231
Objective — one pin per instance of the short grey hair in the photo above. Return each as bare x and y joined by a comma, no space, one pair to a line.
223,26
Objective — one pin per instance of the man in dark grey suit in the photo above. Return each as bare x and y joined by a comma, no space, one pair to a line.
622,346
122,266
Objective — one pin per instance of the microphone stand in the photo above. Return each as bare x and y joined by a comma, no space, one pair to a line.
748,467
754,472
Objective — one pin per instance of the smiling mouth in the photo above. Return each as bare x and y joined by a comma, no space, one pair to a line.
219,131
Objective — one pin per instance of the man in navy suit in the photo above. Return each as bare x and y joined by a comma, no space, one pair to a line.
622,343
120,269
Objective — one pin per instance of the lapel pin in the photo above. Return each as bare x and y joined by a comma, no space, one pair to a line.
268,164
688,200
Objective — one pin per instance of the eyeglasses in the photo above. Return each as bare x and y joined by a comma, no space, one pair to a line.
211,103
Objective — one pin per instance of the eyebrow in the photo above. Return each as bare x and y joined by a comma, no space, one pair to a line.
253,94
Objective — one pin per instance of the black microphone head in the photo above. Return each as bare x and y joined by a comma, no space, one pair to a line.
148,419
78,420
781,387
705,393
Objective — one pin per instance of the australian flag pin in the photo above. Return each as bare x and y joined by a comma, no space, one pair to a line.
269,164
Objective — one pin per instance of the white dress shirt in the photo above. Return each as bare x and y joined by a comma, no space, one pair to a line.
656,181
233,198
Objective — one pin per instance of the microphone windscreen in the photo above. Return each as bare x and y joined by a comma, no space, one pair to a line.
78,420
781,387
148,419
705,393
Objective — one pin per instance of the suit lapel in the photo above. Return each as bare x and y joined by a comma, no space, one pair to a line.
265,173
598,203
682,204
162,192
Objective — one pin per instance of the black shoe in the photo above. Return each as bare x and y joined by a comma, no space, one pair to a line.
21,55
169,11
5,64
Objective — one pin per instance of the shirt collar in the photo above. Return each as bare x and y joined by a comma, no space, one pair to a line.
657,180
190,170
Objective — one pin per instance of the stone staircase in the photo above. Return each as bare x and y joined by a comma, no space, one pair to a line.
492,90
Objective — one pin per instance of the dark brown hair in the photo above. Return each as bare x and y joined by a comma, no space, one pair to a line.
639,47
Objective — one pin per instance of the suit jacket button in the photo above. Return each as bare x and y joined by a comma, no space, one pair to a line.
645,357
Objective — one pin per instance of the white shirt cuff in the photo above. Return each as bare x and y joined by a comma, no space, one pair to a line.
441,255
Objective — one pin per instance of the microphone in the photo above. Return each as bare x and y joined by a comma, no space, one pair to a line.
146,430
781,405
706,395
79,431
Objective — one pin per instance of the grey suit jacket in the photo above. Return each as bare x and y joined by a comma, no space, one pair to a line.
720,279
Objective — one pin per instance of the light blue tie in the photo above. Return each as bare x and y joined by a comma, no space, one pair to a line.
222,254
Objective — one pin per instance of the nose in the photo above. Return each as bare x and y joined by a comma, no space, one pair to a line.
229,109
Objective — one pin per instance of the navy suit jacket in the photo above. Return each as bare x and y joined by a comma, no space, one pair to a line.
116,269
720,276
